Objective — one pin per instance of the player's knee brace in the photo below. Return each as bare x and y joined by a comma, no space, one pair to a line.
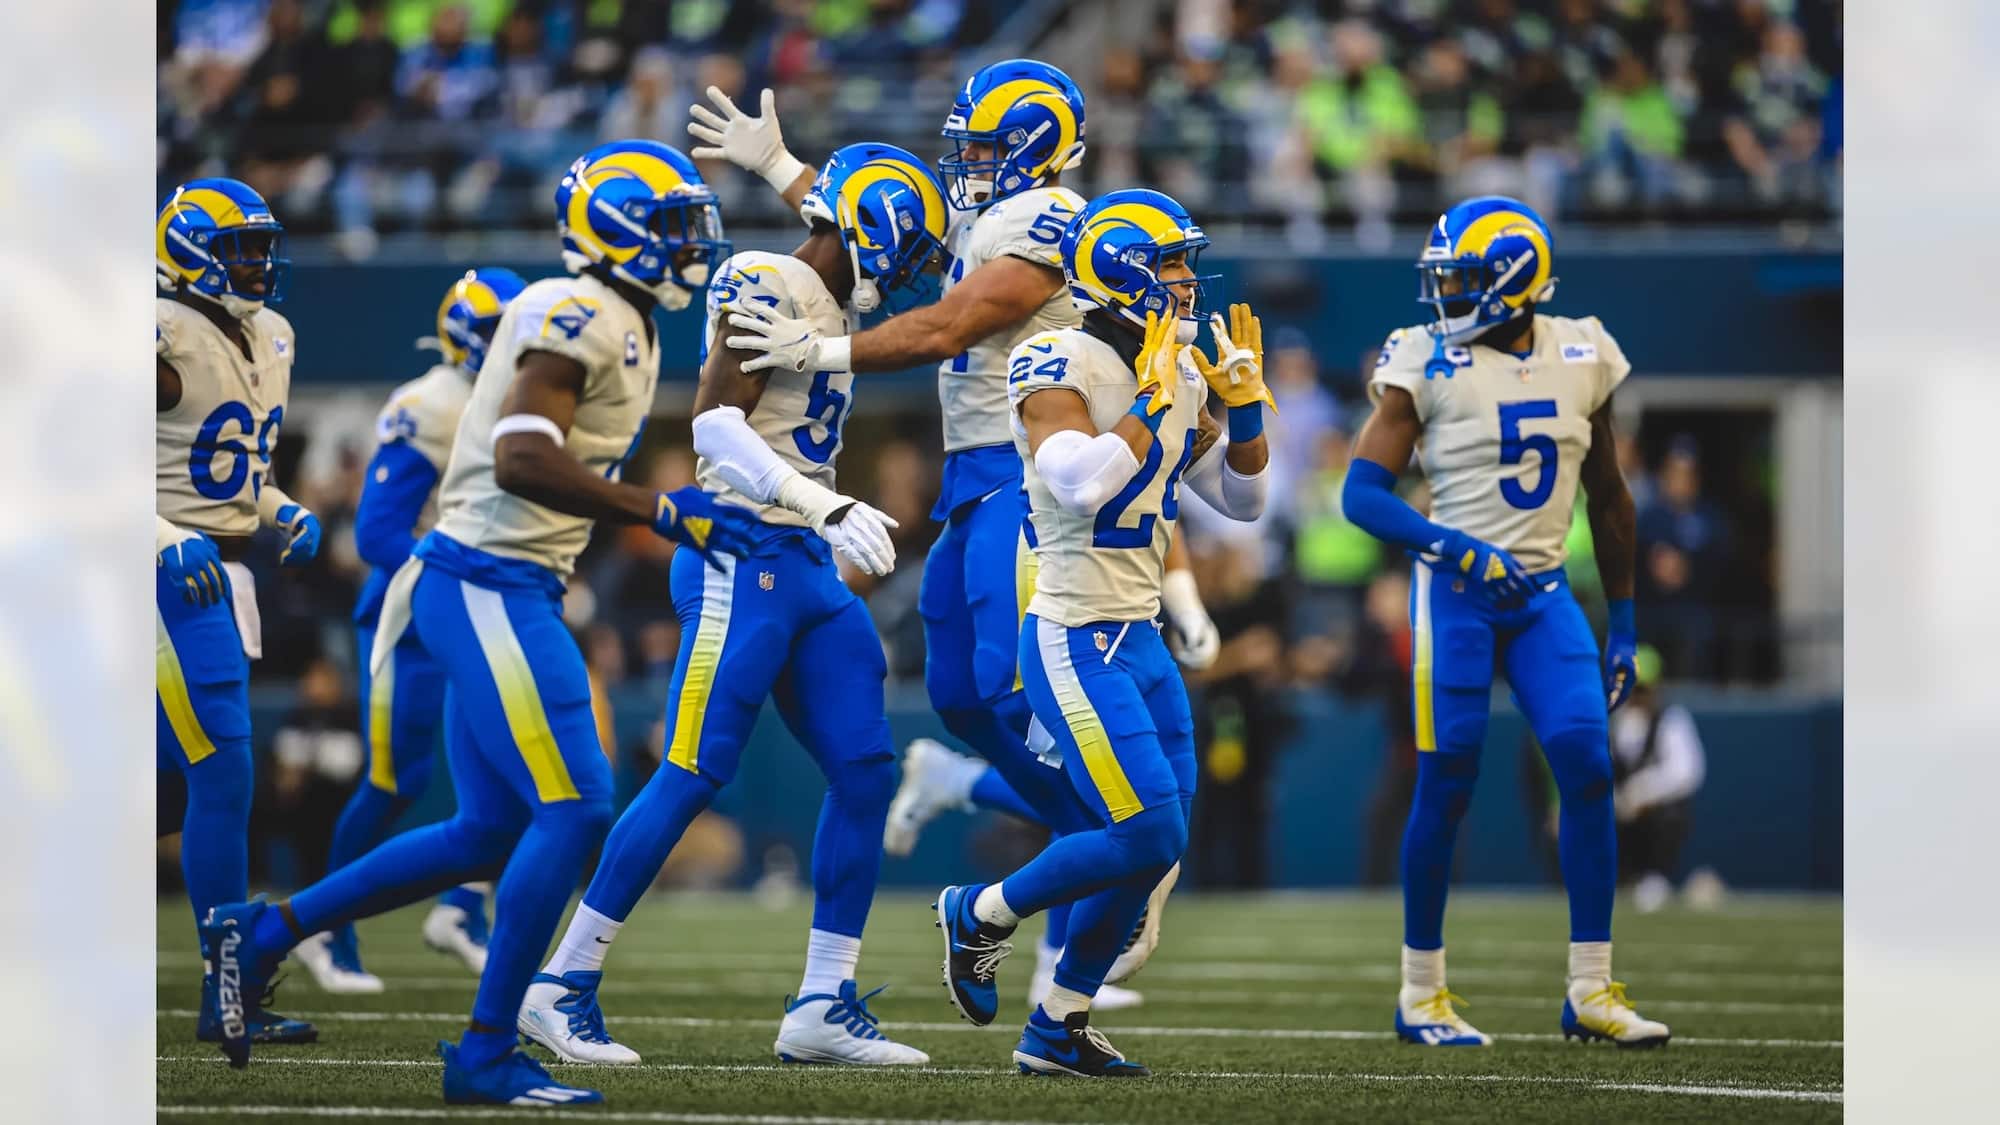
1152,839
1580,761
1445,782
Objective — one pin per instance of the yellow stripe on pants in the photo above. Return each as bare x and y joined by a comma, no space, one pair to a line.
1099,759
173,689
1027,571
381,728
1421,659
527,720
718,588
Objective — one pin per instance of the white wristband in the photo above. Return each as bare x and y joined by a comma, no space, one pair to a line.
836,353
528,424
783,171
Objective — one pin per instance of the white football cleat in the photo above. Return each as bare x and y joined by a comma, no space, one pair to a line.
1599,1009
935,780
316,953
454,931
839,1029
561,1013
1428,1020
1651,893
1109,998
1146,935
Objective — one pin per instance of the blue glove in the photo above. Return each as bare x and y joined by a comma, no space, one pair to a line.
692,517
1621,653
1493,571
304,529
195,567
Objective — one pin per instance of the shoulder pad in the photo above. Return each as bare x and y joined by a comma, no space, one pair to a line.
753,279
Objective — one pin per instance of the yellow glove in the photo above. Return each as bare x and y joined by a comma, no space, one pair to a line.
1157,369
1237,375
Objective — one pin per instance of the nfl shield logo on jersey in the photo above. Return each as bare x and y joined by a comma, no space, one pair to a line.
1103,642
766,580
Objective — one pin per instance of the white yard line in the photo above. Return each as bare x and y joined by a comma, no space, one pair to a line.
590,1113
1139,1032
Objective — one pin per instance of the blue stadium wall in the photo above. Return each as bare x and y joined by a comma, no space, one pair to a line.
1768,816
1747,311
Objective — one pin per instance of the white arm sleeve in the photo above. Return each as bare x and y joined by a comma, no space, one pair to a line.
1082,471
723,437
1239,497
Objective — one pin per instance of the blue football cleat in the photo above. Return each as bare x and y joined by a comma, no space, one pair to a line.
1432,1022
1072,1049
239,984
973,951
515,1079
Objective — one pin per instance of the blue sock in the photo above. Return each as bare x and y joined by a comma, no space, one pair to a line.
364,823
1587,828
478,1050
847,847
1444,788
215,831
411,866
1058,923
1098,929
1082,863
530,899
643,838
465,898
991,791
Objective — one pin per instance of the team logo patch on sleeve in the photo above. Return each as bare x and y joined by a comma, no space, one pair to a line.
569,317
631,349
1579,353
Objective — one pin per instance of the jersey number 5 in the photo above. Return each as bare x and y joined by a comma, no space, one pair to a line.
1514,447
1106,532
828,407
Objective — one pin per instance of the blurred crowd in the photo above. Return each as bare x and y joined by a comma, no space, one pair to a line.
366,116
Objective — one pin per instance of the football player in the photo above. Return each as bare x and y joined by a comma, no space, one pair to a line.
1015,127
1508,410
1111,421
554,415
222,371
403,708
780,624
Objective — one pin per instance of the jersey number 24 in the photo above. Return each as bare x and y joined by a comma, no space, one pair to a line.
1106,532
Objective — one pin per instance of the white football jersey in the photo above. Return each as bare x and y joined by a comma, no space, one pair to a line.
972,385
423,414
582,319
801,412
212,451
1106,566
1505,436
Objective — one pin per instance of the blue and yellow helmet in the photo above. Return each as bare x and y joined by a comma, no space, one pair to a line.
640,209
471,311
1032,116
1112,252
1487,261
891,214
208,232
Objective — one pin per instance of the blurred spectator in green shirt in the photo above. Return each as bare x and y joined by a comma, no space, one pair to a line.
1632,136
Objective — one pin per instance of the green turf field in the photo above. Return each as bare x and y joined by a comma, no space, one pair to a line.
1257,1009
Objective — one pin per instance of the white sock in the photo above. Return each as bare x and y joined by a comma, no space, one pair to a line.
1423,970
830,959
1590,960
1062,1001
584,944
479,888
991,906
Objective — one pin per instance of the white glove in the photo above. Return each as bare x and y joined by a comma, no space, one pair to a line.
753,144
862,538
1191,633
861,534
787,344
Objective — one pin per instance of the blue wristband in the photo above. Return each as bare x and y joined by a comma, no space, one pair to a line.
1618,618
1152,421
1246,422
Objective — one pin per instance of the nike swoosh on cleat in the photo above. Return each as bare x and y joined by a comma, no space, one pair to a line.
601,941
